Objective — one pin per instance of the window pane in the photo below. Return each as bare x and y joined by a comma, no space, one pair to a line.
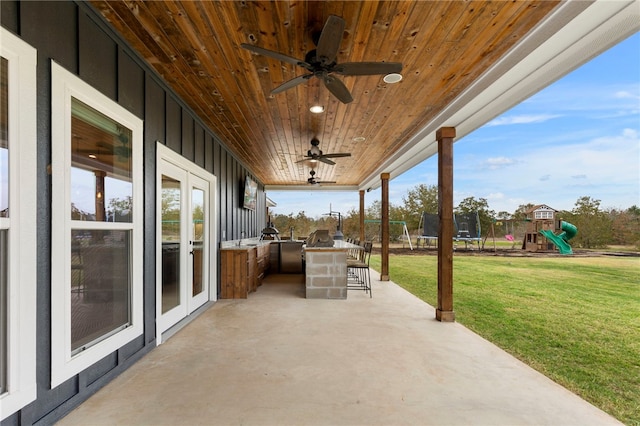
197,208
4,138
101,186
3,309
170,243
101,285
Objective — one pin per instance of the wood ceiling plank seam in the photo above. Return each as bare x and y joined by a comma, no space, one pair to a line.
517,27
139,25
331,143
273,36
402,34
473,10
300,35
425,38
293,139
280,125
362,30
234,63
506,19
177,80
376,113
262,101
202,53
454,48
266,69
315,16
386,26
454,85
352,12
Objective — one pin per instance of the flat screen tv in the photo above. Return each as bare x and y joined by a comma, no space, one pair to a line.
250,193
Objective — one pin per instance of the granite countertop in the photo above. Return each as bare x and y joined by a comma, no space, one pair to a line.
244,244
337,244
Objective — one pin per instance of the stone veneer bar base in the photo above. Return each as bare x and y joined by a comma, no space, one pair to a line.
326,273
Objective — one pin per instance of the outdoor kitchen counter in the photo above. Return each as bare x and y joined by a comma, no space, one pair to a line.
326,270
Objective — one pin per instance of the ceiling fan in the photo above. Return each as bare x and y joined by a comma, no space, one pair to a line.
315,154
313,180
321,62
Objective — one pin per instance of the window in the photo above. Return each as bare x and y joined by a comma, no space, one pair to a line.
97,226
17,224
544,214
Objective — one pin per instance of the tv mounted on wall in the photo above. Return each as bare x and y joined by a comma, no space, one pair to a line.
250,193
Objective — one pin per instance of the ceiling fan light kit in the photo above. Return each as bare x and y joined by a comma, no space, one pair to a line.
315,154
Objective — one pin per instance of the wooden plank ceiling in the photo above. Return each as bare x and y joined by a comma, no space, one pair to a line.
195,46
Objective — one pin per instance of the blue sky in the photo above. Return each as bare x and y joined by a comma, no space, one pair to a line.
578,137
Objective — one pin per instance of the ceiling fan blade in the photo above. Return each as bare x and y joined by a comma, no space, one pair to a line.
338,89
276,55
330,39
326,160
291,83
325,181
337,155
367,68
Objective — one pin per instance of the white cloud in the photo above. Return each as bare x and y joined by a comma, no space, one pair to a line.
522,119
623,94
498,163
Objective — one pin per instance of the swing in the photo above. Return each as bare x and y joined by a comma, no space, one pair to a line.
405,231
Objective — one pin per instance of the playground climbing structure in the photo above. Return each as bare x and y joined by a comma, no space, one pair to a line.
545,232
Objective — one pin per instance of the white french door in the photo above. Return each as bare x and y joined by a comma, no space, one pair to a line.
185,272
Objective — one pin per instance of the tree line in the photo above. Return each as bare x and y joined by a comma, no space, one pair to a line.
597,227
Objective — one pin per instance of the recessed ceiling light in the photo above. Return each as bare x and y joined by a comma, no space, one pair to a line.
92,156
359,139
392,78
316,109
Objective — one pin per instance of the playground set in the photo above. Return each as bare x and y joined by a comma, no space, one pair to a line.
544,231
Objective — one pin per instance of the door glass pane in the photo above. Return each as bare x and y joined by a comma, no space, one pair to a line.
170,243
4,138
197,216
101,285
101,186
3,309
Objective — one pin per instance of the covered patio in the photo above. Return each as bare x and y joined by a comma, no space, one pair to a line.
277,358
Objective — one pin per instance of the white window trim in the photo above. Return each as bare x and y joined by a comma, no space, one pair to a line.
21,321
64,365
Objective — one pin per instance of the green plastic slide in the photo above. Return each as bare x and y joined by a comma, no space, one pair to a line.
561,240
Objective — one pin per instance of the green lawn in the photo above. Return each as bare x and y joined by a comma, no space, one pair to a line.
575,319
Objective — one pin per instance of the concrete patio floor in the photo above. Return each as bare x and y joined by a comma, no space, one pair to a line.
277,358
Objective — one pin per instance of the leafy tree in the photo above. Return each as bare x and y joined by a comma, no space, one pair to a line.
422,198
351,224
625,226
521,212
471,205
594,225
